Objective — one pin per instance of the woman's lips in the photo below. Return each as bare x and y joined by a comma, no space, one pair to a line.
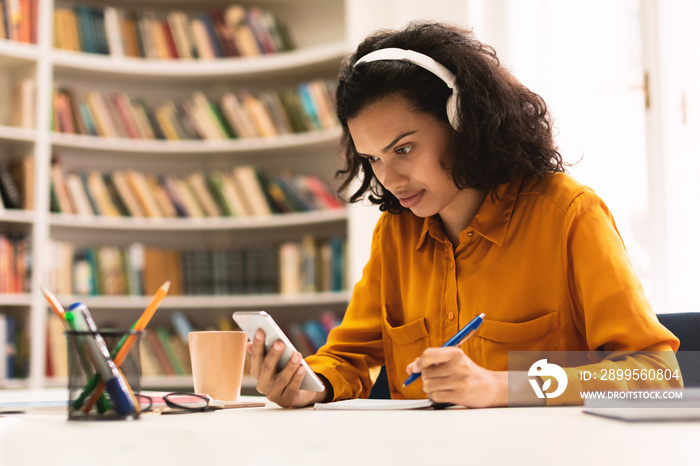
410,201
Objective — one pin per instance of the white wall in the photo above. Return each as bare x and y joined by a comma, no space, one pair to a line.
679,56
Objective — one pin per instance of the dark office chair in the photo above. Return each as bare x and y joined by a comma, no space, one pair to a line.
686,326
380,389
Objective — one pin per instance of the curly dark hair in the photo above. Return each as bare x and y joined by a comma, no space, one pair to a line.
505,129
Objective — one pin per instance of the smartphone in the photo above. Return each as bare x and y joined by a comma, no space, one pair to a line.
251,321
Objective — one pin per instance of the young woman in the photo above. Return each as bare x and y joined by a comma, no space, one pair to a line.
479,217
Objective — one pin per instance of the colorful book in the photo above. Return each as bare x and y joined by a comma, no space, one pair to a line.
11,195
246,177
315,333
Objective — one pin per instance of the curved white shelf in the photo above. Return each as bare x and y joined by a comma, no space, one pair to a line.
13,133
183,382
14,384
17,52
311,139
17,216
199,224
308,59
148,382
269,301
173,382
15,299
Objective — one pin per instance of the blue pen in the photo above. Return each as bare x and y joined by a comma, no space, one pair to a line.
459,338
116,385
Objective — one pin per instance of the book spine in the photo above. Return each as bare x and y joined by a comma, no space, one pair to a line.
219,268
164,337
202,272
156,348
4,34
211,36
97,22
10,351
113,31
315,333
169,40
236,264
11,195
179,28
181,324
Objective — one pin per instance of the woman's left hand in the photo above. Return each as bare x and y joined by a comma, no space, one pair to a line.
450,376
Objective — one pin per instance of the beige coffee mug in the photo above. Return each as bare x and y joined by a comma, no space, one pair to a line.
217,363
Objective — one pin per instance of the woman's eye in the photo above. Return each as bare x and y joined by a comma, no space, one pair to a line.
404,150
370,158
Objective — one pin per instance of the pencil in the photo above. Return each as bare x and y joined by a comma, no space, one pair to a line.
123,349
140,323
124,346
55,305
152,306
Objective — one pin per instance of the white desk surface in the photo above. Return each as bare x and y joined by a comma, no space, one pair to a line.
271,435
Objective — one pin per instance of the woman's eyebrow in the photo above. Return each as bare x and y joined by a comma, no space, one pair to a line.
397,139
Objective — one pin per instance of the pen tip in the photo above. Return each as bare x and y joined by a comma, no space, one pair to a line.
166,285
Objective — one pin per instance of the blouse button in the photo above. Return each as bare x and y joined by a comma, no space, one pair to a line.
451,315
470,234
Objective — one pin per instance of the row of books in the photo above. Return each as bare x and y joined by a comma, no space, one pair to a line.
232,31
17,184
311,265
242,191
14,358
18,20
164,348
161,351
307,107
310,335
15,262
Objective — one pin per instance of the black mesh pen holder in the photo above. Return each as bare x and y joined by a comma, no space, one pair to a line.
103,380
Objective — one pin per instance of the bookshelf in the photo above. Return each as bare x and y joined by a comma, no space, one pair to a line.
319,30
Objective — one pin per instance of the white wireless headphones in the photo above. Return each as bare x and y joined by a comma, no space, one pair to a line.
426,63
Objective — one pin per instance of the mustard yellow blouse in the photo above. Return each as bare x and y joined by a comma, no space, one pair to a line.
544,262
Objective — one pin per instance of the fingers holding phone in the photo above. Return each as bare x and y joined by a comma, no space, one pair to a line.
280,386
276,384
282,374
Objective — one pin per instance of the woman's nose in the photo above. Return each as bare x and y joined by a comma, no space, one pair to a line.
392,177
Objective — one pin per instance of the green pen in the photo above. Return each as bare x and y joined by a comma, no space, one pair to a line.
103,404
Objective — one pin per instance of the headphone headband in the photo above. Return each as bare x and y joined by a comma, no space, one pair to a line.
414,57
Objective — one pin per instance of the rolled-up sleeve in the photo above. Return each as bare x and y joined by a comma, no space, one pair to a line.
355,346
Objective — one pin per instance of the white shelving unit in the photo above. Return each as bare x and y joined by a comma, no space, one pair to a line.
314,218
319,29
324,138
310,60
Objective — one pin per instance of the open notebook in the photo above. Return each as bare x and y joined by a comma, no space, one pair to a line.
379,405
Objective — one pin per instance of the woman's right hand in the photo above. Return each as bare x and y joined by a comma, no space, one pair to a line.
280,387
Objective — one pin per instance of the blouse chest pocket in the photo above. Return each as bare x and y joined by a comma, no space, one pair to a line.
402,345
495,339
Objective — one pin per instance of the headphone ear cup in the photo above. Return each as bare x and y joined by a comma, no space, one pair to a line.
452,113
